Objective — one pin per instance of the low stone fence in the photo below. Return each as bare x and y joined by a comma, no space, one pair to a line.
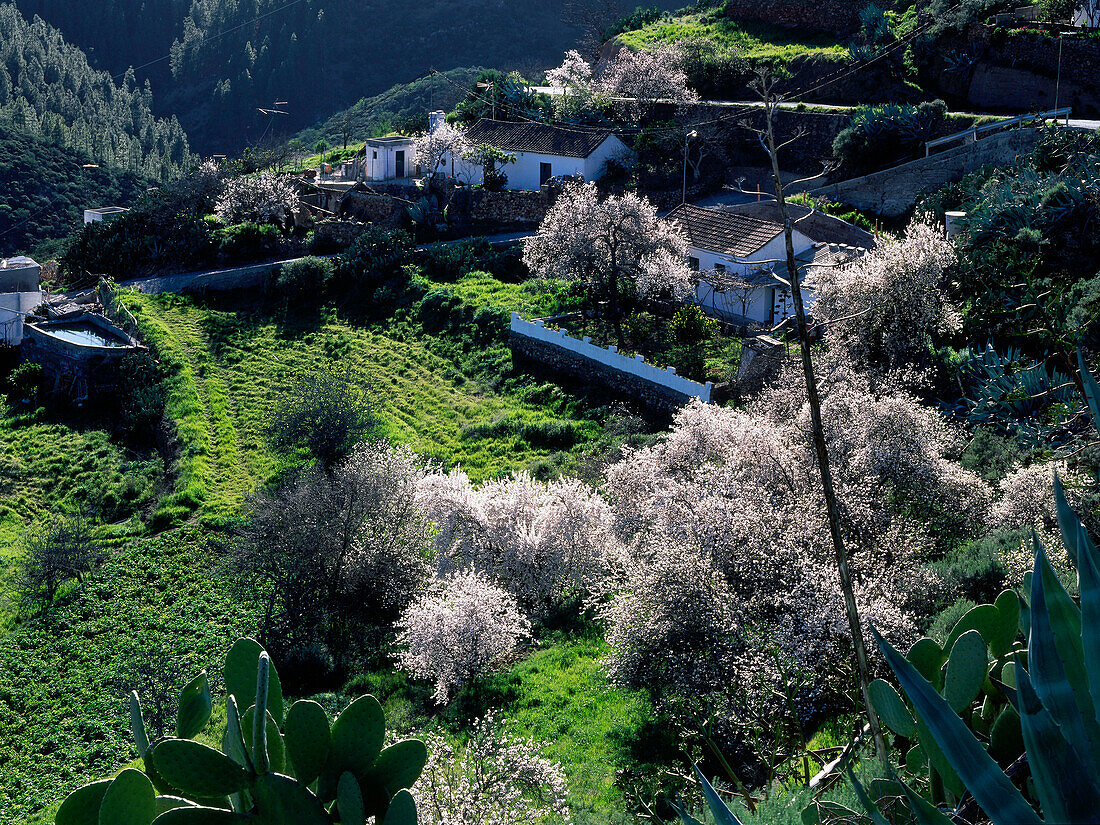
584,361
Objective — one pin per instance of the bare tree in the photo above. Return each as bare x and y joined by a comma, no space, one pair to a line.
765,86
63,548
326,411
593,18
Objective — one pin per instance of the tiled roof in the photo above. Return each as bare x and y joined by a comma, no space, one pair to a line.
723,232
537,137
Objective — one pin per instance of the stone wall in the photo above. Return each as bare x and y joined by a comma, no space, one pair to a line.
893,192
339,233
588,363
508,208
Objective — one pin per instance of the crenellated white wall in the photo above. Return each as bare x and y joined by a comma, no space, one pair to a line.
610,357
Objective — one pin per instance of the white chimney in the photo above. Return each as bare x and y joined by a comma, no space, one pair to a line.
435,120
952,219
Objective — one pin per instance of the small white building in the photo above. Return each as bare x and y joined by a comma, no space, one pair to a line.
742,263
543,151
20,293
103,213
387,158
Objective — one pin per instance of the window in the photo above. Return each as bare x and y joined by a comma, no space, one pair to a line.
693,264
374,155
720,269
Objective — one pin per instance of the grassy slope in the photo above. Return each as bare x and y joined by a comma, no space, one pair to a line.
62,713
227,366
754,41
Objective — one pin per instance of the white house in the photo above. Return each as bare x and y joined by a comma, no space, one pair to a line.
103,214
387,158
19,295
738,258
543,151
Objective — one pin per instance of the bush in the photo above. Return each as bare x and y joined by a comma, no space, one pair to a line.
977,571
460,630
447,262
375,257
24,384
63,548
246,242
637,19
306,279
690,325
879,136
140,395
327,412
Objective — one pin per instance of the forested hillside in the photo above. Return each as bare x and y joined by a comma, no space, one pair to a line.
49,90
229,57
44,190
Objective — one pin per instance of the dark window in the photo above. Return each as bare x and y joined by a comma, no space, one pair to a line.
544,173
693,263
374,155
720,269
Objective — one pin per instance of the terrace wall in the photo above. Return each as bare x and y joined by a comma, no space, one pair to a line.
584,361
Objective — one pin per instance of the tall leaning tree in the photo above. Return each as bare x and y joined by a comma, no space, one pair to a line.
765,85
615,246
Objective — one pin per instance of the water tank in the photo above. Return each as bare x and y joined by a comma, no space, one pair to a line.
435,120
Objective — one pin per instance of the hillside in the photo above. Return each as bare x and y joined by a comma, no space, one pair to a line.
48,89
44,190
230,57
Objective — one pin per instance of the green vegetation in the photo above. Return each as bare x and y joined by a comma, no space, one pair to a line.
48,89
759,42
226,364
66,673
44,190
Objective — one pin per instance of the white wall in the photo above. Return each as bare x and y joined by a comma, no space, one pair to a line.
13,306
384,167
767,304
525,172
610,357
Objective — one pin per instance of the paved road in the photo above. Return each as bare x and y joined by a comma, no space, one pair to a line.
254,274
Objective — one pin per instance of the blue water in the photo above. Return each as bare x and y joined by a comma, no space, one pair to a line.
86,336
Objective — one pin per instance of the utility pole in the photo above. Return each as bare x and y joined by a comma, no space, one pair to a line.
684,189
765,86
1058,76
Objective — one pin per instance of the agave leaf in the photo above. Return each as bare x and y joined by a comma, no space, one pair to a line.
1064,785
924,812
685,817
1056,658
1092,390
722,814
1089,578
1068,522
865,800
998,797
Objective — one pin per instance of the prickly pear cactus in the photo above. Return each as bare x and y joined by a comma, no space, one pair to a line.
969,670
276,766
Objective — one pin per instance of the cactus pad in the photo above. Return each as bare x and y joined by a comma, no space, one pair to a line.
195,705
198,770
129,800
891,709
307,739
240,677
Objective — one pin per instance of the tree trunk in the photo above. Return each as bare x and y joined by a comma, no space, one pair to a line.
820,447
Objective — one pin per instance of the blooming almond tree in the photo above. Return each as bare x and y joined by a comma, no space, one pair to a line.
645,78
262,198
574,76
494,778
616,246
459,630
433,149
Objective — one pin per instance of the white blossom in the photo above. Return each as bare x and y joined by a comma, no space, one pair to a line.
647,77
434,148
463,627
493,778
886,308
262,198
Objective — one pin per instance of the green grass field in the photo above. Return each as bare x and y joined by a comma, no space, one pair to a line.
228,363
753,40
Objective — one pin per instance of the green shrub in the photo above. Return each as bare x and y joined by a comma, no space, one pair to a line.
245,242
990,455
447,262
303,280
491,324
375,257
441,309
878,136
976,571
140,395
24,385
942,624
690,325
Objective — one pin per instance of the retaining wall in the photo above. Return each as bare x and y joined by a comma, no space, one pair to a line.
585,361
892,192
